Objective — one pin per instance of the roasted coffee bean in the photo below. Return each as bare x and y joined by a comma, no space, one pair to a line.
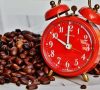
14,79
4,56
0,36
7,71
1,71
26,46
7,80
44,80
4,47
19,43
32,86
13,51
1,67
7,34
17,30
20,37
33,71
32,44
51,78
40,73
21,50
15,67
25,52
27,70
96,70
12,34
11,44
32,52
28,37
2,62
23,80
11,58
22,73
83,87
32,78
16,75
96,76
18,83
3,39
2,81
37,65
21,61
36,35
18,61
46,69
26,32
29,66
22,56
37,82
26,61
1,43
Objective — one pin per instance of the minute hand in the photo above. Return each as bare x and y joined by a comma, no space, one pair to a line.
68,34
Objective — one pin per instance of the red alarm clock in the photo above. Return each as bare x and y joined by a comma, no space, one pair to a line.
69,44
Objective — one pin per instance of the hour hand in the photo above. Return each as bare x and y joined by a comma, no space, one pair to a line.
62,42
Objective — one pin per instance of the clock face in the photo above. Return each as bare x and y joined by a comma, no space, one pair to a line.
68,46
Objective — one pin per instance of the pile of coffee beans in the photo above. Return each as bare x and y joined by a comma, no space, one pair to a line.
96,70
21,61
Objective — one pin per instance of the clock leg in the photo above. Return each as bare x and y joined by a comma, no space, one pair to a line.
50,73
85,77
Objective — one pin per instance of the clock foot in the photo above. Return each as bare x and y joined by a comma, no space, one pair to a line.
50,73
85,77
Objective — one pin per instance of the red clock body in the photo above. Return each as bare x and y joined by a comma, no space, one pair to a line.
70,46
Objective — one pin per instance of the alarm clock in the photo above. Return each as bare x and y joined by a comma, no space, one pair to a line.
69,44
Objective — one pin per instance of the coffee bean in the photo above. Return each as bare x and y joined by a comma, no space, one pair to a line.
40,73
16,75
24,80
32,86
18,83
17,30
27,70
21,61
18,61
26,46
7,80
15,67
7,71
32,52
96,76
22,56
14,79
2,81
46,70
51,78
28,37
3,55
1,43
2,62
1,67
96,70
19,43
83,87
44,80
13,51
37,65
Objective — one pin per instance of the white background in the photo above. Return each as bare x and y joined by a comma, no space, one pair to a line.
29,14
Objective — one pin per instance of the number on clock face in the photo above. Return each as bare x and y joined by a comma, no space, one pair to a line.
80,46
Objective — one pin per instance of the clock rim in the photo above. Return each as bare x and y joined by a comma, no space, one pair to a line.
91,62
